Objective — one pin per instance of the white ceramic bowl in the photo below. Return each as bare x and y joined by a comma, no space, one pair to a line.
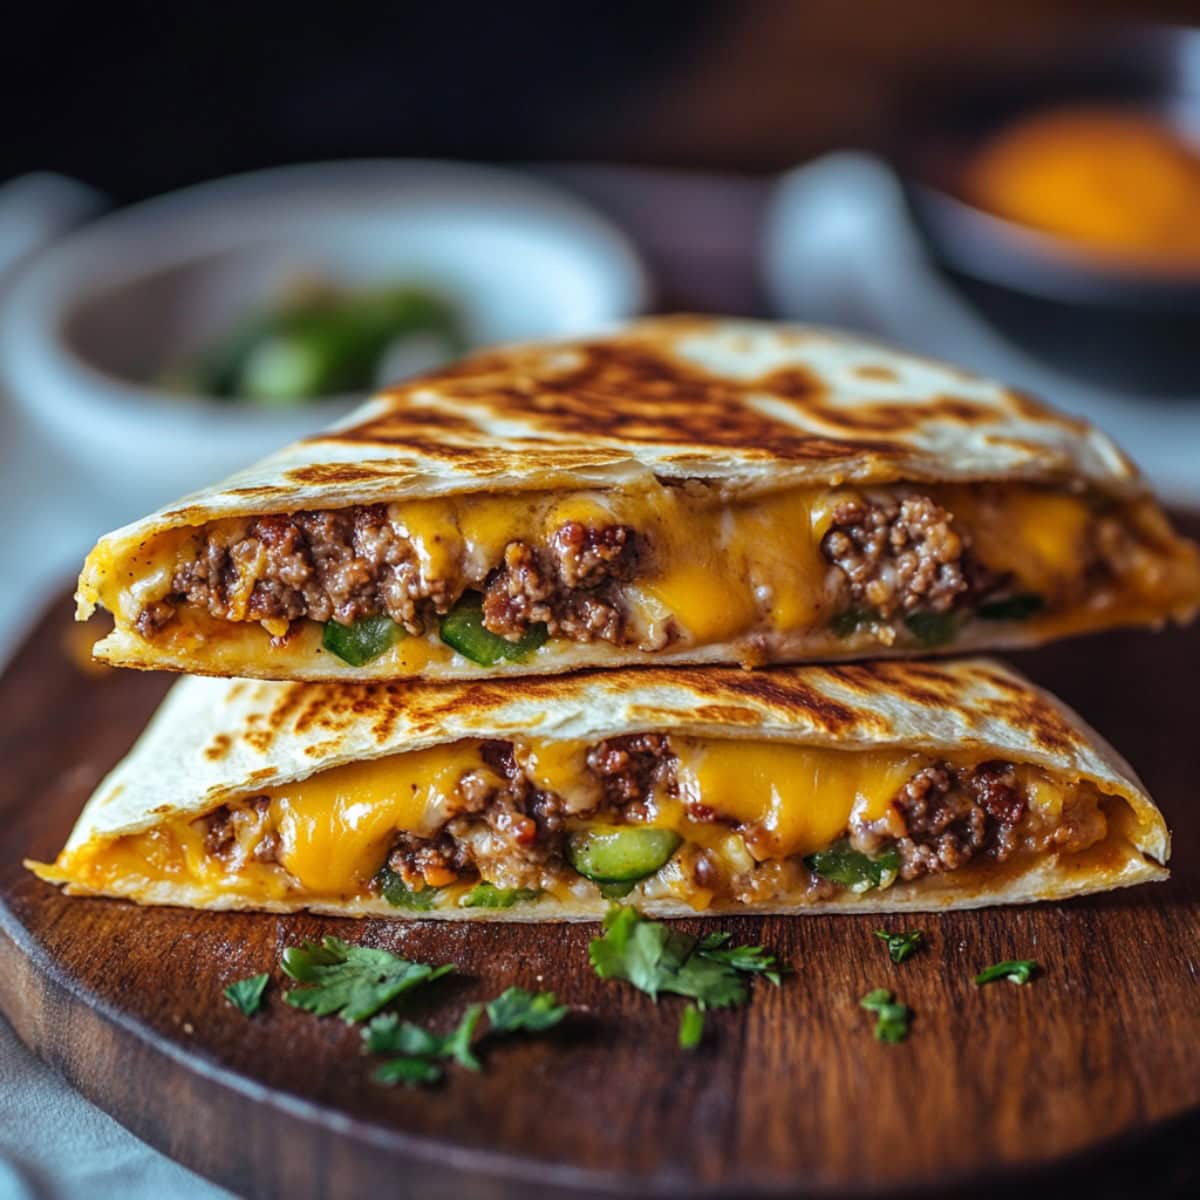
100,312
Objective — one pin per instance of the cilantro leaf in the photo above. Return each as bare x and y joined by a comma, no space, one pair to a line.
458,1045
488,895
753,960
420,1050
412,1072
516,1009
1015,970
891,1025
657,959
691,1028
901,945
353,981
387,1034
246,995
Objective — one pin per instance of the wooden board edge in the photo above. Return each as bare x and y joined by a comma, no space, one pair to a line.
229,1110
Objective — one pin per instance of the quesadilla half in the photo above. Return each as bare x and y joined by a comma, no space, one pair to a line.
688,490
692,790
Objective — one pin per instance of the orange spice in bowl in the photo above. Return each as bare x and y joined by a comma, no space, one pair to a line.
1121,183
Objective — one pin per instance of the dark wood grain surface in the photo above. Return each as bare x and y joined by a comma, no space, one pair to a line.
1064,1079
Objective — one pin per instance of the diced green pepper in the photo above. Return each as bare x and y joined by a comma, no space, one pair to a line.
614,854
932,629
488,895
840,864
616,891
852,620
359,643
1015,608
463,629
399,895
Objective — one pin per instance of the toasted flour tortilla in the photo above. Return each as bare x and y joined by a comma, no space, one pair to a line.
748,409
215,742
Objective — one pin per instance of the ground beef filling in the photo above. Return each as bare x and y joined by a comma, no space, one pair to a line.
628,768
509,830
504,828
572,586
344,564
902,553
953,816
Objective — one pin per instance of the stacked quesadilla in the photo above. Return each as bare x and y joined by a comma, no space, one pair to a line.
885,786
429,588
687,491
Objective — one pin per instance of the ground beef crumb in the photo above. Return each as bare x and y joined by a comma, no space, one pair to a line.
571,587
628,767
428,862
899,554
951,816
339,564
239,834
154,618
502,824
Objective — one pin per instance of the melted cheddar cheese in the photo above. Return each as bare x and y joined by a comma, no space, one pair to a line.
745,801
797,799
335,827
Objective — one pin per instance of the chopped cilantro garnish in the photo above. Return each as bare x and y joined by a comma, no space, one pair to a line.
488,895
655,958
901,945
691,1028
750,959
932,628
892,1018
387,1034
854,870
1015,970
412,1072
1015,608
419,1051
246,995
353,981
516,1010
458,1045
398,894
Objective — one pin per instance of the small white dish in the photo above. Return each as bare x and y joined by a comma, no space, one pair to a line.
97,315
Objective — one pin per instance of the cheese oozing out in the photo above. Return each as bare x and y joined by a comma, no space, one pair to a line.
332,832
711,569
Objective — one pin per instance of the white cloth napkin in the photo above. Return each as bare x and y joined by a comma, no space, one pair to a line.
839,248
54,1145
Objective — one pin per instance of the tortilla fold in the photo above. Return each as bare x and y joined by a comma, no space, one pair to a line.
218,742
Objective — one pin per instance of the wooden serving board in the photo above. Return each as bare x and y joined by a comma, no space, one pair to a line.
1091,1074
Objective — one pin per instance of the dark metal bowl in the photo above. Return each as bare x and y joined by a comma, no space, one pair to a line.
1123,325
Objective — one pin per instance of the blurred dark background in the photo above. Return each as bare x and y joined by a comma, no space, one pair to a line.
139,98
